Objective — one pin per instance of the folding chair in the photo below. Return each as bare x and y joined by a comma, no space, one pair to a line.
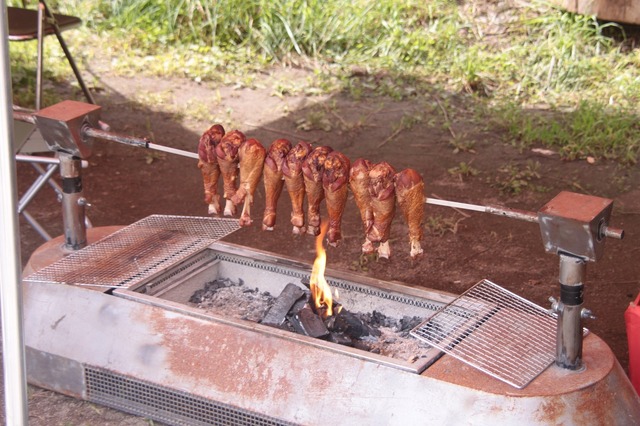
28,24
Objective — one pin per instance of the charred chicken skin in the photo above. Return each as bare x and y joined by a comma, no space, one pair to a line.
273,180
359,184
227,153
293,178
208,165
335,182
383,205
312,170
251,155
411,199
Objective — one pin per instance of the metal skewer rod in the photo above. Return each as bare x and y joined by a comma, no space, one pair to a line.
500,211
133,141
172,150
604,230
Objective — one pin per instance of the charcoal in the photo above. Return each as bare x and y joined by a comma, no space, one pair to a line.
408,323
300,304
308,323
341,339
306,282
352,326
276,315
381,334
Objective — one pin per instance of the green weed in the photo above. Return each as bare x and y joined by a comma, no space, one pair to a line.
463,170
314,120
589,130
438,225
513,179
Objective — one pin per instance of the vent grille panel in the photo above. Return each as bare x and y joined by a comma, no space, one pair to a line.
166,405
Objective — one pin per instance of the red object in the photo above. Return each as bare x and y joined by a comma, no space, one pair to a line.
632,320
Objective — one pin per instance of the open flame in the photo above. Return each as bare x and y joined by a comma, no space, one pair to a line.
320,290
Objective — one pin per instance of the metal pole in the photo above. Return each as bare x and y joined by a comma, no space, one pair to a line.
73,202
15,382
570,312
40,56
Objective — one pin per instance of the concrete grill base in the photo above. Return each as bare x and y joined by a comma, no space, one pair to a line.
145,355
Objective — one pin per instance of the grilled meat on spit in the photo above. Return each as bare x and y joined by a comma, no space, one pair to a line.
273,180
251,155
208,165
293,178
312,170
411,199
335,181
383,205
359,183
227,153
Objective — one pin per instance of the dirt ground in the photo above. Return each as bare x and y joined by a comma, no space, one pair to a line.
125,184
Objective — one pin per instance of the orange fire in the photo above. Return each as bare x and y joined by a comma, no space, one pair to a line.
320,290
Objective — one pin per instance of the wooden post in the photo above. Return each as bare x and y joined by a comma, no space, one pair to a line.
624,11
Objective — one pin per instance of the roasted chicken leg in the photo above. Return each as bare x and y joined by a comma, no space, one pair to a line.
335,182
359,184
273,180
293,178
411,198
383,205
208,165
312,169
251,155
227,153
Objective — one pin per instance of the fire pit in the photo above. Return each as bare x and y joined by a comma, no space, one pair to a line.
130,339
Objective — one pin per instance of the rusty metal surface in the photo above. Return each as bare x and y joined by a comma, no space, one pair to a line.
572,223
61,126
601,394
303,384
296,380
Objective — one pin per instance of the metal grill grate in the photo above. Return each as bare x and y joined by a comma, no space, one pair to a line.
166,405
495,331
136,252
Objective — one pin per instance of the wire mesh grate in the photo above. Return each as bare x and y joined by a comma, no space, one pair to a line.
136,252
494,331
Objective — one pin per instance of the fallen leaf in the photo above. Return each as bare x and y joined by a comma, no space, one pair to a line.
543,151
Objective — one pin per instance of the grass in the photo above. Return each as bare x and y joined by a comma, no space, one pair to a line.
463,170
512,179
589,130
543,75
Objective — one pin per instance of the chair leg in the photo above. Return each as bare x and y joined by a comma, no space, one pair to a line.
36,186
67,53
35,225
40,56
